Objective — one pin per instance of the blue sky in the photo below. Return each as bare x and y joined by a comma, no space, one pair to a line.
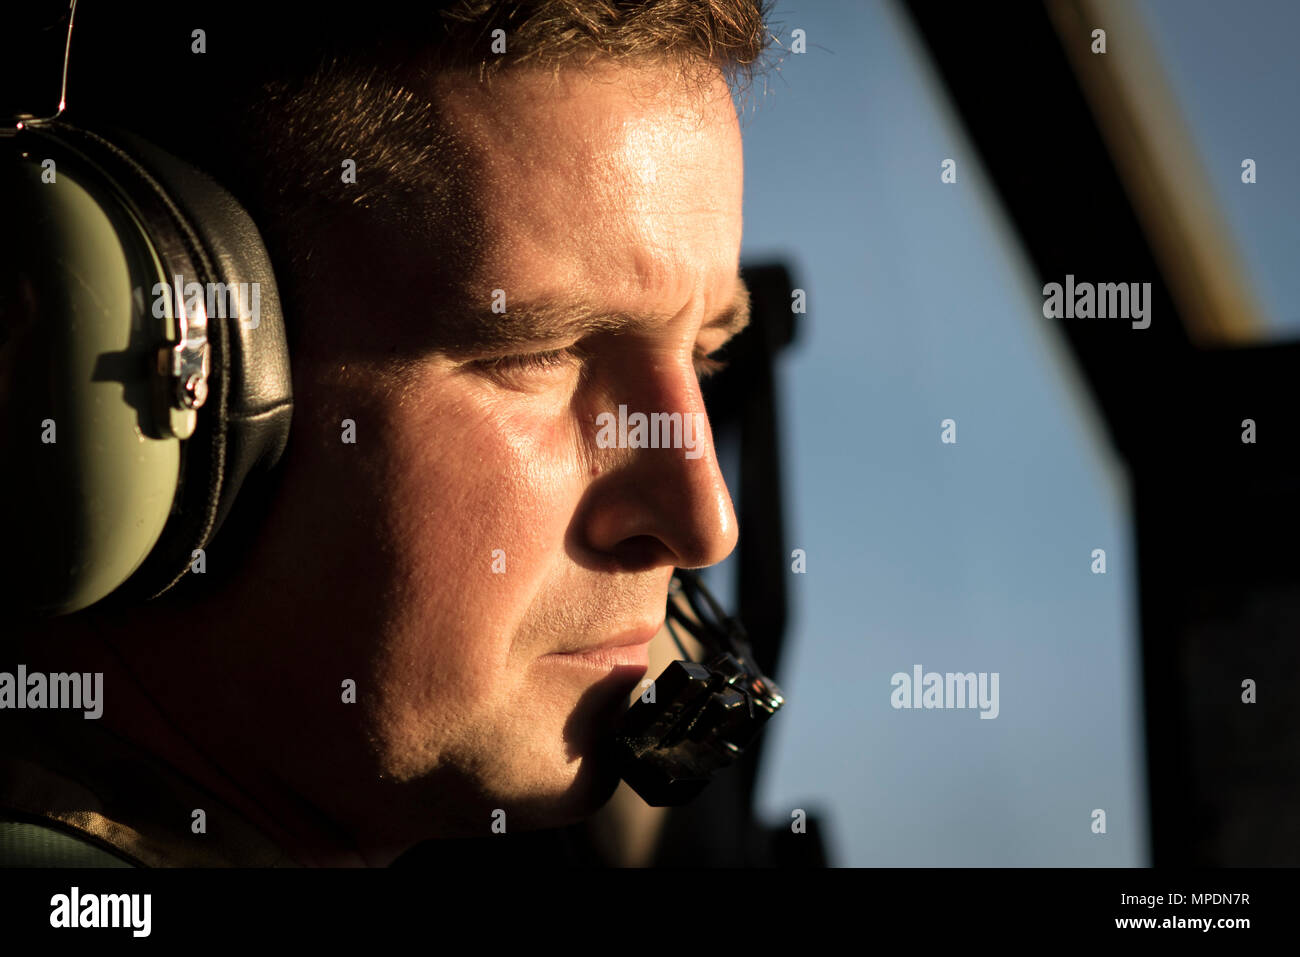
973,556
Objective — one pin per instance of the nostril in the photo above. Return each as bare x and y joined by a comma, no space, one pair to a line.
642,553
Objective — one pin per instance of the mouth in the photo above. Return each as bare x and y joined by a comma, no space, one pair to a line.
606,659
629,648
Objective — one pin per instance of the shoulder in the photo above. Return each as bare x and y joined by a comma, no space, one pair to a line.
29,844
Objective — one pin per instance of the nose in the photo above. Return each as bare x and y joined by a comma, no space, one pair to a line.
657,497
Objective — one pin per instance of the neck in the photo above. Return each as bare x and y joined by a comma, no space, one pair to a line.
211,725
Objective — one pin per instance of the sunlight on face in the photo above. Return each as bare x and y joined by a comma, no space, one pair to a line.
479,536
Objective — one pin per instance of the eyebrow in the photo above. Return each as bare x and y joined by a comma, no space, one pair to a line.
557,319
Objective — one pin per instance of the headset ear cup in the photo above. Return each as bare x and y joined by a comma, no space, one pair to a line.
246,433
91,464
157,218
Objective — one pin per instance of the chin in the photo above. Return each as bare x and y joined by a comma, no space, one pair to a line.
582,776
565,795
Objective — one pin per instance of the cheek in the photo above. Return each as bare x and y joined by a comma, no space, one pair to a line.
482,490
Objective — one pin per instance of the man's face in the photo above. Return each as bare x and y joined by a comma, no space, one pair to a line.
476,531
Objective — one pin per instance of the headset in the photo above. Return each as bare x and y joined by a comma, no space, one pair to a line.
696,718
138,415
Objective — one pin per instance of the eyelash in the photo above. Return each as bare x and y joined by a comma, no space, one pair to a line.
706,366
539,362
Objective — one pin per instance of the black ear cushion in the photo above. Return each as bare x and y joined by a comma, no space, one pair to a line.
244,425
259,400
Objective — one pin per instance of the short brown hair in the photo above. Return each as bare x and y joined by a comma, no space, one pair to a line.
353,105
729,34
278,97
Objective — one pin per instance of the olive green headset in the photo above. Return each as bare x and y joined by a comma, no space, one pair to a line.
144,371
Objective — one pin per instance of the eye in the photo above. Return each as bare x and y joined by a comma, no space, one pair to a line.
528,364
554,360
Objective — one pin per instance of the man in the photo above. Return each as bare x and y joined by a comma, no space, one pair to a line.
531,240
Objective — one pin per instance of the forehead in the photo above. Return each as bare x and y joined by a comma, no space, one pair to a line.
619,180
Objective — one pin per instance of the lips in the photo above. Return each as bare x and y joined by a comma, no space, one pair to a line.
623,640
606,659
